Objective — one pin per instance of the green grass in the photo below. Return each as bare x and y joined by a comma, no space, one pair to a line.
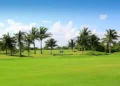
61,70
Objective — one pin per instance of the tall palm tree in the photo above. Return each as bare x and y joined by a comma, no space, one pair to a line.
11,44
83,38
28,40
110,36
42,34
8,43
80,43
33,33
20,37
71,44
94,42
5,42
51,43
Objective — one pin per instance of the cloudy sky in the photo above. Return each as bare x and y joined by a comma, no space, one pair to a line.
64,18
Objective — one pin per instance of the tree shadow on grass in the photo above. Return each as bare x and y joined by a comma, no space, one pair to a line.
97,54
22,56
14,55
62,54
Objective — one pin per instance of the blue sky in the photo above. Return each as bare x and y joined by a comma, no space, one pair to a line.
98,15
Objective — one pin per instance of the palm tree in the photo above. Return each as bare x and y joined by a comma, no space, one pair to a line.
51,43
42,34
28,40
80,43
19,38
83,38
8,43
4,40
71,44
33,33
11,44
110,36
94,42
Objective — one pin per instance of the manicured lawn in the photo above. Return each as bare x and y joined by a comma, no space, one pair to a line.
60,70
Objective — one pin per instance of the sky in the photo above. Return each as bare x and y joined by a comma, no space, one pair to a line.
63,18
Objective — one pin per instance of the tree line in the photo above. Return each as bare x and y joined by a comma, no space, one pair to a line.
85,41
88,41
23,39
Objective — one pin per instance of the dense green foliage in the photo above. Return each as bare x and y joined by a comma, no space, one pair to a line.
85,41
33,34
51,43
42,34
110,37
19,37
71,44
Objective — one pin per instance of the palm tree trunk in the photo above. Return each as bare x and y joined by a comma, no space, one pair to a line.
82,50
93,50
41,47
6,51
34,48
28,50
72,49
11,52
19,48
109,48
20,51
51,50
105,48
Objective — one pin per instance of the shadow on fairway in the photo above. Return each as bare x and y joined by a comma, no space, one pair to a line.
97,54
16,55
22,56
62,54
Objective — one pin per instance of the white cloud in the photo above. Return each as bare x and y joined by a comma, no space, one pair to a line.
14,27
1,24
45,21
63,33
100,34
92,28
94,31
84,26
10,21
103,16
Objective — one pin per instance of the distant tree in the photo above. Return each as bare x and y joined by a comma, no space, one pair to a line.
65,47
110,36
42,34
4,40
71,44
20,38
28,40
94,42
33,33
83,39
1,44
51,43
118,45
58,48
8,43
